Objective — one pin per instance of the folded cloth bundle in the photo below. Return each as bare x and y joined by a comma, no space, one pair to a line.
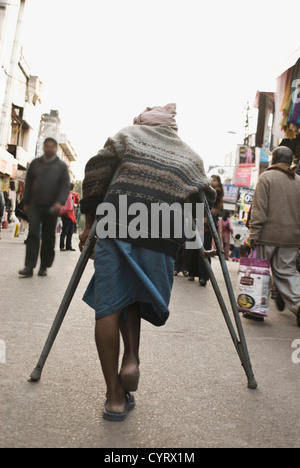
159,115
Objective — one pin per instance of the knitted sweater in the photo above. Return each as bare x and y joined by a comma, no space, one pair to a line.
155,166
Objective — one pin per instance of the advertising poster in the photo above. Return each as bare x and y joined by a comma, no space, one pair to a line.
264,160
243,176
245,196
247,156
230,193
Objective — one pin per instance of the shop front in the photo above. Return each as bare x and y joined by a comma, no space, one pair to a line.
6,163
10,176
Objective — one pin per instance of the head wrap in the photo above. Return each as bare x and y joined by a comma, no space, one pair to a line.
154,116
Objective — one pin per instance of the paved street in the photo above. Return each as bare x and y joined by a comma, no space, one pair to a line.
193,390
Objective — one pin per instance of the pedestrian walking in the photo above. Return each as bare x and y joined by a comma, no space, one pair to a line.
226,232
219,203
2,210
181,262
275,227
76,201
46,191
8,206
195,263
69,221
134,277
237,248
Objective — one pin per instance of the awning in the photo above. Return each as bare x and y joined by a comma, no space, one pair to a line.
8,164
289,62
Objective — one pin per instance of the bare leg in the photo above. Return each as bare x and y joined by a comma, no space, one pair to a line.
131,332
108,344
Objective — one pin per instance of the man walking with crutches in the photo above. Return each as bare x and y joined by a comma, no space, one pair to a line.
134,277
46,191
134,274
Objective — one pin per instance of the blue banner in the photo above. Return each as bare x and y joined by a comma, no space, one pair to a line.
230,193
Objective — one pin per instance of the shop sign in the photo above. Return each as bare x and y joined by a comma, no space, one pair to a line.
3,166
245,196
243,176
230,193
14,171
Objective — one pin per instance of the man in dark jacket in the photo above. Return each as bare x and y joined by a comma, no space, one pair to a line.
47,189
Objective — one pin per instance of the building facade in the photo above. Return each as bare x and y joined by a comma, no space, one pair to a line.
20,97
50,127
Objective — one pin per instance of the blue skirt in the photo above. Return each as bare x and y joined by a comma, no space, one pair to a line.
126,274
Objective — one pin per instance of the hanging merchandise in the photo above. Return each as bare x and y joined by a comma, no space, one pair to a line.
265,105
290,106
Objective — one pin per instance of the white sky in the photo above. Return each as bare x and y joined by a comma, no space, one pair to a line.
103,61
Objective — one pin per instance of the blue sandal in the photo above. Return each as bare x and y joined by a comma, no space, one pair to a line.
119,417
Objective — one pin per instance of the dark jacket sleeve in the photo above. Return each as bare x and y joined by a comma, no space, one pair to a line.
28,185
298,169
99,173
65,185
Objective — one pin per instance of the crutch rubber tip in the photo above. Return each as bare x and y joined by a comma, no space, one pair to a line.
252,384
36,375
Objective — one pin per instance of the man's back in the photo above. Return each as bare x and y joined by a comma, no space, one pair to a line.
155,167
47,182
275,218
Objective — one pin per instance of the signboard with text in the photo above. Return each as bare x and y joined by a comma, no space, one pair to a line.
243,176
230,193
245,196
3,166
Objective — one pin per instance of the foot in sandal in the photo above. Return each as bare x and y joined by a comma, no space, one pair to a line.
115,413
130,376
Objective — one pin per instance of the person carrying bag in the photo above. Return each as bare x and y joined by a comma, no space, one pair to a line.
275,227
68,217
